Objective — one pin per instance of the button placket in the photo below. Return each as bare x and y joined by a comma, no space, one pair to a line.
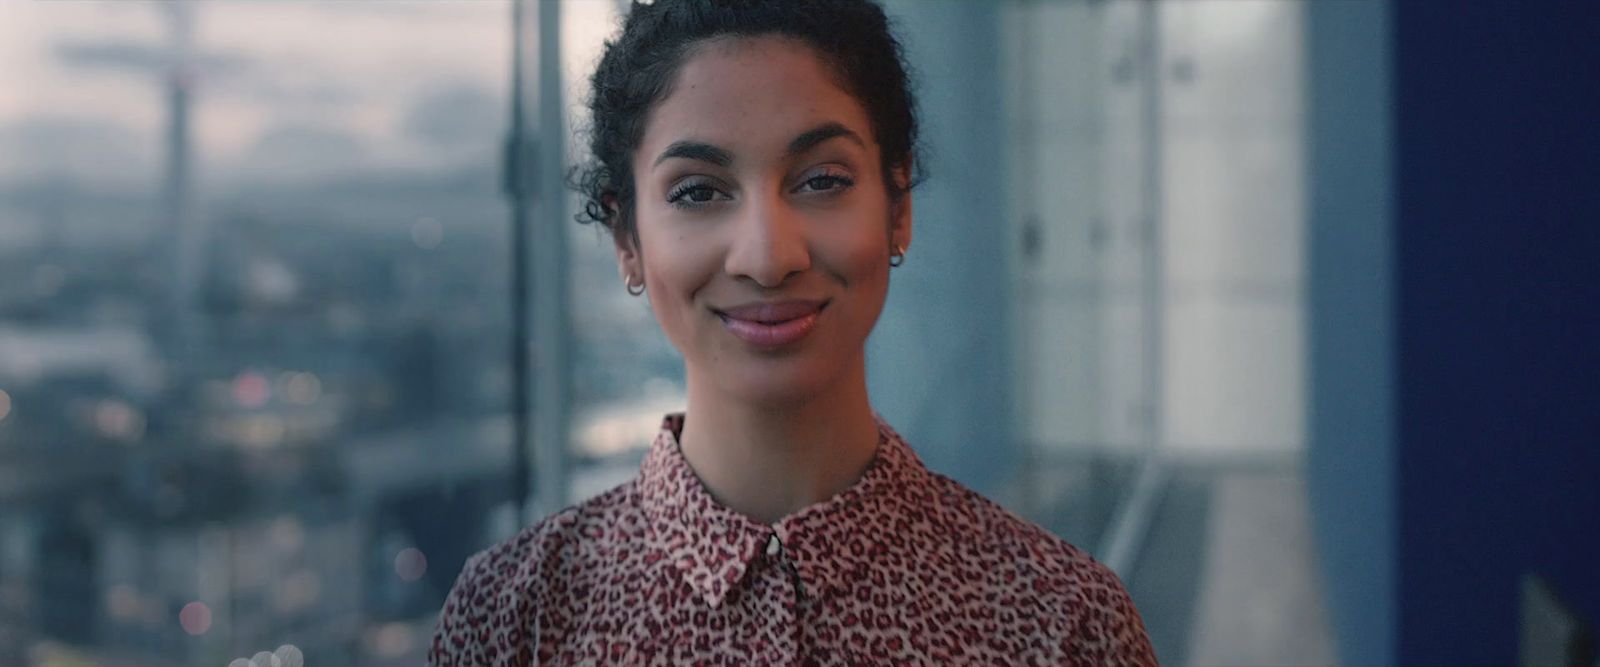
777,554
791,609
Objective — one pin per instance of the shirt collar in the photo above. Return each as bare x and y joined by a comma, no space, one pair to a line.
713,546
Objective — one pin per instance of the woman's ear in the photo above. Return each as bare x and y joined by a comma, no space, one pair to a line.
625,243
900,209
628,257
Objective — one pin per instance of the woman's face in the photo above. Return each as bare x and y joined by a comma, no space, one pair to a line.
759,183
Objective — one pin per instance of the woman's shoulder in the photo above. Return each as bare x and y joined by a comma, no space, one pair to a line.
488,615
560,535
1048,563
989,522
1031,566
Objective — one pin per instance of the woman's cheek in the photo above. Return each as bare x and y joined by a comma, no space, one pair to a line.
688,265
868,252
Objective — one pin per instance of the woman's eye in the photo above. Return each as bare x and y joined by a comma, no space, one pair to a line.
825,183
692,194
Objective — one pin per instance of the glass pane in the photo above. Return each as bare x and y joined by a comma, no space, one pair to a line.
1159,310
254,326
626,375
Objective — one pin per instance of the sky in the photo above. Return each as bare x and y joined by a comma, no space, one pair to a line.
284,89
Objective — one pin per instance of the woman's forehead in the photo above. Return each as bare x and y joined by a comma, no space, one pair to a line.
751,94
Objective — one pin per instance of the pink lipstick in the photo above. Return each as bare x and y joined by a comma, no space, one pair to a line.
772,324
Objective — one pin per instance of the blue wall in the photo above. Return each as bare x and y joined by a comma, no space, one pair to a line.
1498,240
938,362
1350,458
1492,468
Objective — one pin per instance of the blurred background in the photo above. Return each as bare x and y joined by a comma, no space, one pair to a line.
1284,310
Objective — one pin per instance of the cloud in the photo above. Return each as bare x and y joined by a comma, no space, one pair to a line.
452,114
298,152
93,150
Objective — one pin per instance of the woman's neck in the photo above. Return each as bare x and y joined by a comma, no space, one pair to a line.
768,462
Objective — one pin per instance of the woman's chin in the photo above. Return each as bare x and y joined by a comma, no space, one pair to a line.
770,385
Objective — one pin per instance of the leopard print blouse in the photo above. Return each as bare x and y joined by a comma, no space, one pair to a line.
906,567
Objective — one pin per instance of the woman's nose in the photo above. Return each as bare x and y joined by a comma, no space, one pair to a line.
769,242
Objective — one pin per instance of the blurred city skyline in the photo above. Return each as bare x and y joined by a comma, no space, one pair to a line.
274,102
255,283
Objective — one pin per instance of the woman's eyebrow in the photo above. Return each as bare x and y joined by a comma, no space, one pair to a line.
816,135
704,152
695,150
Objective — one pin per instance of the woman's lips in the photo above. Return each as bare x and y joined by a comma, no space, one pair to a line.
772,325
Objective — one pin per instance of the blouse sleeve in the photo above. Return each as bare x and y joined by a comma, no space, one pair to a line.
1127,642
464,621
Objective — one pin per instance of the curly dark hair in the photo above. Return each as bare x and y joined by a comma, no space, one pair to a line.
852,37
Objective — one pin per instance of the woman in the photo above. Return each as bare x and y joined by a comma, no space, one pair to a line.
753,166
